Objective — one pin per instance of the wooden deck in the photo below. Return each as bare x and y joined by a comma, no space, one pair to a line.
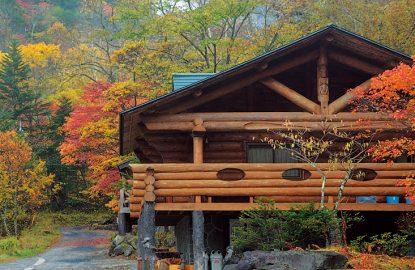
187,186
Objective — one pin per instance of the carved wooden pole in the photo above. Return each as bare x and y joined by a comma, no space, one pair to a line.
323,80
147,225
198,236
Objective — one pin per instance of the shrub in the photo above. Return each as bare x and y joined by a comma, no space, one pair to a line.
9,245
165,237
266,228
406,224
386,243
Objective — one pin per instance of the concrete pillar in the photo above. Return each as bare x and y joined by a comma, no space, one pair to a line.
198,239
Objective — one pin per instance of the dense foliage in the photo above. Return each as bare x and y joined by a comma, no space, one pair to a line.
385,243
267,228
24,182
393,93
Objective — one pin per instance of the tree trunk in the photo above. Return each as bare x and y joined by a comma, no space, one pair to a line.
6,227
16,229
341,188
323,187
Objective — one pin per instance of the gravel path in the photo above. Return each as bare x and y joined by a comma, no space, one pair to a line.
77,249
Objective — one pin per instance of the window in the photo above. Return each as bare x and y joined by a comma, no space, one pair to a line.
264,153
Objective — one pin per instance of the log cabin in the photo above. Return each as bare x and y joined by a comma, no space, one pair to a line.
201,161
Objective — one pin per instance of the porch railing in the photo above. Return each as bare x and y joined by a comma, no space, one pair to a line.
235,186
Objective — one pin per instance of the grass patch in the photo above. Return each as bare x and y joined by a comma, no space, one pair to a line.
46,231
32,241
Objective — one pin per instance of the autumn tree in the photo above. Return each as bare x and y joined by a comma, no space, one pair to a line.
24,182
341,149
393,93
26,107
92,133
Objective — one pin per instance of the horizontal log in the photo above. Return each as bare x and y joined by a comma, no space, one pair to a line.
191,175
135,208
301,191
139,185
138,192
274,125
281,206
249,183
136,200
206,167
265,116
303,199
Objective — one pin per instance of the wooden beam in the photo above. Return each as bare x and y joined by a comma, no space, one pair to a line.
209,167
256,183
292,95
342,102
282,206
355,63
261,175
241,83
261,116
281,191
323,80
278,125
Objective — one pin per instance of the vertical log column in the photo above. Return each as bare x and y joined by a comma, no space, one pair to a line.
198,134
198,225
323,80
147,226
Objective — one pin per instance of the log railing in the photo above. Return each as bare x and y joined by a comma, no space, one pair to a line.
187,186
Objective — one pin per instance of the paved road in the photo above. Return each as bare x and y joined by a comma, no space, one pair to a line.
78,249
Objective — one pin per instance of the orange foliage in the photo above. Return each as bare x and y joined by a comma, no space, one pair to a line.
91,132
393,92
24,182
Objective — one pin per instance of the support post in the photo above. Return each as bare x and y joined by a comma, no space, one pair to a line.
146,236
323,80
198,134
147,226
198,227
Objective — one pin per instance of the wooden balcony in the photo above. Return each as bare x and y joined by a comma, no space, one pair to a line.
214,187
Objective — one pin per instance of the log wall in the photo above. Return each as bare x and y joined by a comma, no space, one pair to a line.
188,186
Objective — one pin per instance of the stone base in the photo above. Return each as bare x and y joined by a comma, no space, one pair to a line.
288,260
125,245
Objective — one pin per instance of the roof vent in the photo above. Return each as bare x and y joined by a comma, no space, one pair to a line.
181,80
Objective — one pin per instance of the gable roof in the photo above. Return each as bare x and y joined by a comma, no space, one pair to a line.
342,38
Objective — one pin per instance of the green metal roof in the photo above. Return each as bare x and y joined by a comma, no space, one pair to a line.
181,80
